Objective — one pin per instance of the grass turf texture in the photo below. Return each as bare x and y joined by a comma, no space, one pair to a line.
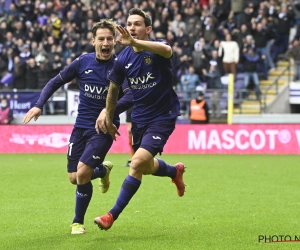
229,201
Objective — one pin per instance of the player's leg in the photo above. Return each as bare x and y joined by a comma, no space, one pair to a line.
94,154
154,140
75,150
97,146
147,145
130,185
84,194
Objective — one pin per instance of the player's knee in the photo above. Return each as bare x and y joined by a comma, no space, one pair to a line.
136,165
73,181
72,178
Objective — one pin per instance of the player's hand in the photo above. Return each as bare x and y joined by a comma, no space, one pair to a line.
125,38
111,129
100,122
32,113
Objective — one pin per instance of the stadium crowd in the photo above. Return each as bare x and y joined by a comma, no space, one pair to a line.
210,38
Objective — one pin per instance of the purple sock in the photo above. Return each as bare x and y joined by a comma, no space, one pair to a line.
99,172
83,196
165,169
128,189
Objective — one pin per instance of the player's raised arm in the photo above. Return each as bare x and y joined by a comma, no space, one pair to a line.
126,38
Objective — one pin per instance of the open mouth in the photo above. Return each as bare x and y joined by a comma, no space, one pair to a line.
105,52
133,35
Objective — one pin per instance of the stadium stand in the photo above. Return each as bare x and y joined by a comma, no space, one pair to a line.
39,38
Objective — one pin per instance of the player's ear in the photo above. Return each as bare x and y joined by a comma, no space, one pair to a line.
148,29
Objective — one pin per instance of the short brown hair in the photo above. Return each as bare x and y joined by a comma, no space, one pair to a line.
104,24
140,12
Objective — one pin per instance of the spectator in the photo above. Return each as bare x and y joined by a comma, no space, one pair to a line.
178,23
31,76
189,81
19,74
56,26
294,54
269,26
43,78
56,66
284,19
43,75
209,31
250,60
199,112
221,11
261,38
25,54
182,62
6,114
213,77
231,53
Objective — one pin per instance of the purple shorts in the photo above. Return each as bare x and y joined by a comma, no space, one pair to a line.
153,136
87,146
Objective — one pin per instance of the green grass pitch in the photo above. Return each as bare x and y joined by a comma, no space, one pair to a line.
230,200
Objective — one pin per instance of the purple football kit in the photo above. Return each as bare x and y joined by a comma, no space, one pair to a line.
156,105
85,144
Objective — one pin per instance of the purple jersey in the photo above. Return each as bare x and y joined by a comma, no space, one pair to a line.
93,78
149,77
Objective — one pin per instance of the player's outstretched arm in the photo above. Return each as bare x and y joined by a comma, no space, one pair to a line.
158,48
32,113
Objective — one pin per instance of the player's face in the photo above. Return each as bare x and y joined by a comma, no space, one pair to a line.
104,44
136,27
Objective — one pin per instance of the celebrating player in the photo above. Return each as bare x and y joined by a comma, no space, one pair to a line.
87,149
147,67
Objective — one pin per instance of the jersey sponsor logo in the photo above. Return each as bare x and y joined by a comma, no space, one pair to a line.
146,81
156,137
88,71
96,157
147,60
95,89
128,65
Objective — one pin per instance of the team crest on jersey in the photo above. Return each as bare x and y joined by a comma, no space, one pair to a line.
148,60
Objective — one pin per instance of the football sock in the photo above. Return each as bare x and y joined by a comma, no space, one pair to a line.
83,196
128,189
165,169
99,172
